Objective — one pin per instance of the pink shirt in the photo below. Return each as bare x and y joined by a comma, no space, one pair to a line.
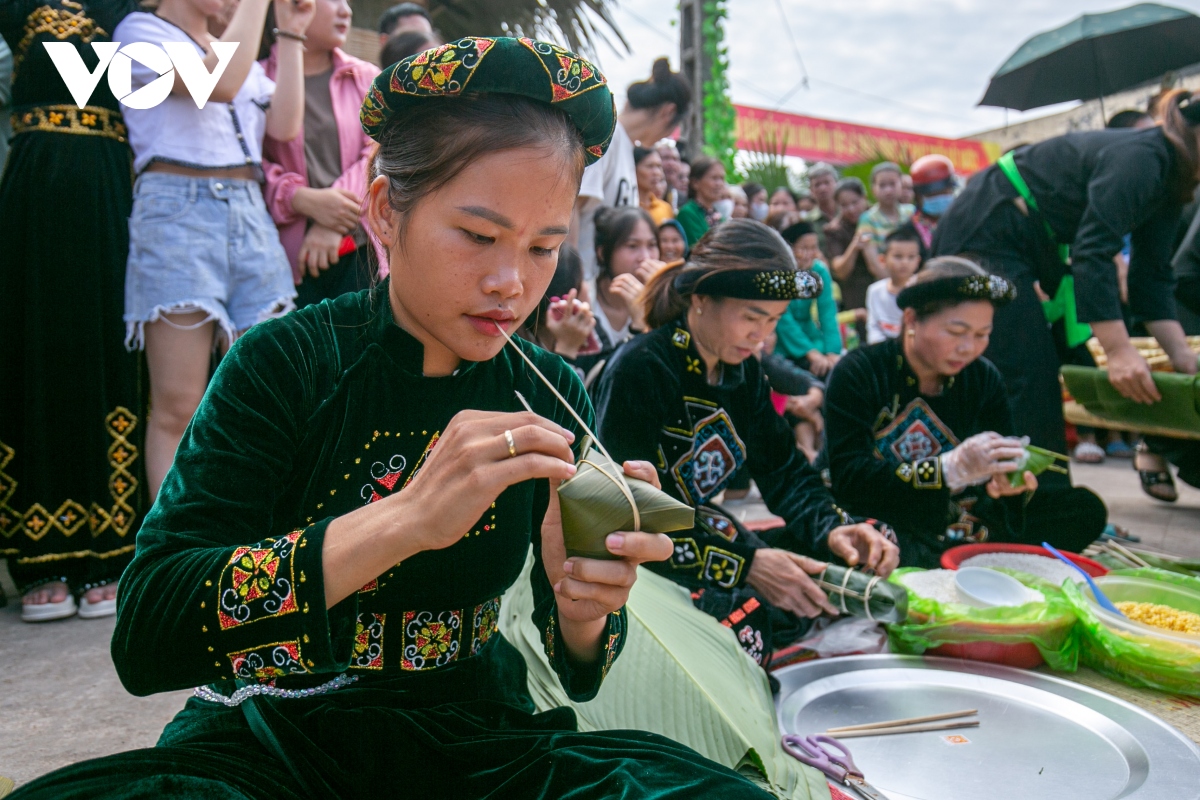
285,168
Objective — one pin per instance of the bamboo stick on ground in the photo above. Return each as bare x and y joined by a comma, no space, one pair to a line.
895,723
946,726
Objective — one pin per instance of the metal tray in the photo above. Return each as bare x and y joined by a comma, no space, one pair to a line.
1039,737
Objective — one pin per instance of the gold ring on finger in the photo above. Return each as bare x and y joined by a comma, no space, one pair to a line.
512,446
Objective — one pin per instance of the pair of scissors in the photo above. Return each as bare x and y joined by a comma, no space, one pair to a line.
832,758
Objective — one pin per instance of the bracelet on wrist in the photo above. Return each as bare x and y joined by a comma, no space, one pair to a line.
281,33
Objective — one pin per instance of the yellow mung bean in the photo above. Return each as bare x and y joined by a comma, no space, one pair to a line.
1160,616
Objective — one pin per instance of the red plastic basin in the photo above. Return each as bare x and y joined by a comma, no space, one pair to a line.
1022,656
953,558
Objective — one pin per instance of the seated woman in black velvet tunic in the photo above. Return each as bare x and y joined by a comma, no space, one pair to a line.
359,487
920,433
690,397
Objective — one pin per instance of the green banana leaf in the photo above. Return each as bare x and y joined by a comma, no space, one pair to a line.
681,674
1179,408
594,505
1036,460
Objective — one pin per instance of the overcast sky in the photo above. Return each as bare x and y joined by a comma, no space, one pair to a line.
908,64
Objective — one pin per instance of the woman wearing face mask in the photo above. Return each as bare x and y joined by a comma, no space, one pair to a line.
652,183
1084,192
652,110
361,484
627,253
920,435
691,397
706,190
756,198
316,182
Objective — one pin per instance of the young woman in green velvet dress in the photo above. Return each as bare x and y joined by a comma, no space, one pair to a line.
360,485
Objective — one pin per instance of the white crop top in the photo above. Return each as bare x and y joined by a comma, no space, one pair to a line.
177,132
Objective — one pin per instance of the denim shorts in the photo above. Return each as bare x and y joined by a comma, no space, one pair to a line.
203,244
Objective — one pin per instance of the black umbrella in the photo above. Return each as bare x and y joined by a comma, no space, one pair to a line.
1096,55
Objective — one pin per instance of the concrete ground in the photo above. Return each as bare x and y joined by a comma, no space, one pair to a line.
61,701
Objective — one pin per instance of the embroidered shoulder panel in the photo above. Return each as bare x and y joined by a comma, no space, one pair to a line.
915,433
268,662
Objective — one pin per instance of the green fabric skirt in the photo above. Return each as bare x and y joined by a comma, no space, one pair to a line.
464,731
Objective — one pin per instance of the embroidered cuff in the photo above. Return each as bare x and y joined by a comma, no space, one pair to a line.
280,581
582,681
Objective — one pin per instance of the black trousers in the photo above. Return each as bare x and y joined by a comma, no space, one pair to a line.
354,272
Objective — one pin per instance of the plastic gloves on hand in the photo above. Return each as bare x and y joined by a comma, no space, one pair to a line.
977,459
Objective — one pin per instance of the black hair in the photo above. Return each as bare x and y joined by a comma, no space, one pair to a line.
613,227
851,184
456,131
663,87
944,267
390,17
797,230
905,233
1127,119
640,153
751,188
700,168
1180,114
403,45
734,244
795,197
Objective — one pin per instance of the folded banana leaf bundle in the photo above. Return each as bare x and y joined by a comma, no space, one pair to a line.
1036,460
599,499
863,595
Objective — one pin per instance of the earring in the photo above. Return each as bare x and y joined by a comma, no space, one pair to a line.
699,312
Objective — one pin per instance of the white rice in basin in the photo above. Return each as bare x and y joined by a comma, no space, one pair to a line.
1046,567
933,584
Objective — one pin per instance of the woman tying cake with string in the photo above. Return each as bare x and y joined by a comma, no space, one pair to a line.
690,398
360,485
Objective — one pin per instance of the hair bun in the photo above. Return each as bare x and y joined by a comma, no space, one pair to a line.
661,71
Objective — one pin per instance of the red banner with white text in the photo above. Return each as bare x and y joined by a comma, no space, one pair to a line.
816,139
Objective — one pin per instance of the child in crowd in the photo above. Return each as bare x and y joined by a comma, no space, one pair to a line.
316,182
205,262
813,343
886,215
672,242
902,257
564,322
798,396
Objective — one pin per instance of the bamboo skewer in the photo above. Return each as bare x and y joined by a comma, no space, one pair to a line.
947,726
895,723
1134,558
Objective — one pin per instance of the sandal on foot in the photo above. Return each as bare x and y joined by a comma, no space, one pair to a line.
1088,453
1157,481
45,612
103,608
1118,534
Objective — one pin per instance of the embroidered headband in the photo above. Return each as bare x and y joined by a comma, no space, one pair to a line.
502,65
996,290
750,284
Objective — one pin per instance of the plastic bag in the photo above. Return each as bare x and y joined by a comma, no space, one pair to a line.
1049,626
1138,660
847,636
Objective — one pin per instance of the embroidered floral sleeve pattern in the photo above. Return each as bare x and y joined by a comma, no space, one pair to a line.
258,582
582,682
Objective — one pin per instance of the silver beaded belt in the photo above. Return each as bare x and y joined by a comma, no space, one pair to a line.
240,695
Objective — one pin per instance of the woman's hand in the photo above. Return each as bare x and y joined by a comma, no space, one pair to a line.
336,209
294,15
320,250
587,590
1129,374
629,289
864,547
645,271
781,577
979,457
471,465
818,363
570,322
999,486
